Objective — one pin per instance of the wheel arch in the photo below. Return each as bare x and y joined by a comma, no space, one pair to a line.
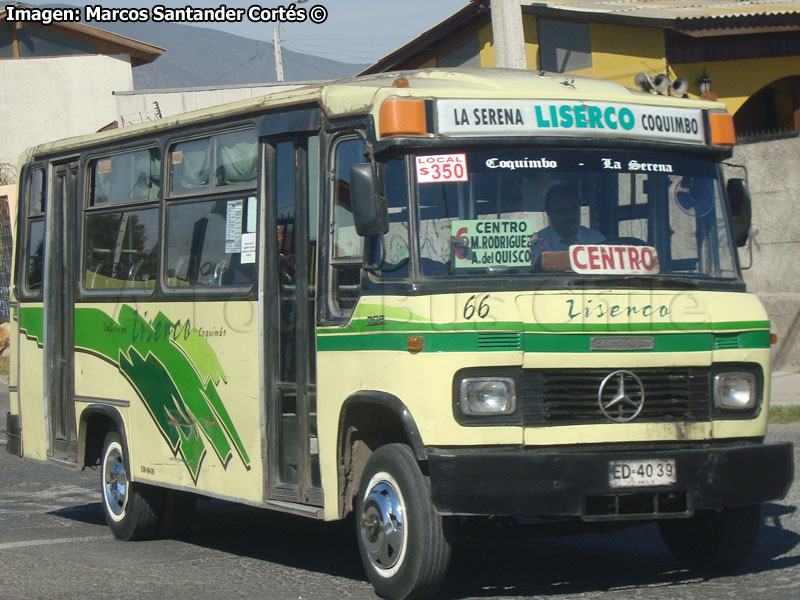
368,420
97,420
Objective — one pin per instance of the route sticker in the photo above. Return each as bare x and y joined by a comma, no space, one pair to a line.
492,242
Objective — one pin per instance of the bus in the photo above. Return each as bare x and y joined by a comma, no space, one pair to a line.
419,300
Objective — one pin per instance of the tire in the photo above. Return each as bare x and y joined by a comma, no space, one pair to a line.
131,509
713,540
177,514
400,535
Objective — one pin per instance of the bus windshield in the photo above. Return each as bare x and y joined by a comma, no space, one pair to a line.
584,212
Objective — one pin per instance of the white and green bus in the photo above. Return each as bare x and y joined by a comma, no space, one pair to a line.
421,298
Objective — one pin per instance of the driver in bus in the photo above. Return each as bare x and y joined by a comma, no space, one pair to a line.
564,213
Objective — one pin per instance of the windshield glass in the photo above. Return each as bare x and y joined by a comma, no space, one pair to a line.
534,210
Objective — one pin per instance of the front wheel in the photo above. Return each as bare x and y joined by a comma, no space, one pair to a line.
131,509
713,540
400,535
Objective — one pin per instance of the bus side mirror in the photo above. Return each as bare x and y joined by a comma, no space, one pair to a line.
741,210
370,215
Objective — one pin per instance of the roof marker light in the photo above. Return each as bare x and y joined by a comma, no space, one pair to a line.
402,116
722,130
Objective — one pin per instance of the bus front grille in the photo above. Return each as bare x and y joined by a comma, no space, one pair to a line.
569,396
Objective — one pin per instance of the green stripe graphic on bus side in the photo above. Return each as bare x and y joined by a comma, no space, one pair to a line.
364,325
173,370
472,342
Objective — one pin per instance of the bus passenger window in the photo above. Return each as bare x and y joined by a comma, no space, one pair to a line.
232,159
126,177
122,249
34,264
189,165
121,223
207,242
237,158
348,247
33,273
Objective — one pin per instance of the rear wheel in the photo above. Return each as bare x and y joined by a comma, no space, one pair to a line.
713,540
400,535
131,509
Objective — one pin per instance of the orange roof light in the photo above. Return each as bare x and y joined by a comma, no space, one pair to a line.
722,131
402,116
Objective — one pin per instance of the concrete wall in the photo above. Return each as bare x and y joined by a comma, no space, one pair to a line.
136,107
774,177
45,99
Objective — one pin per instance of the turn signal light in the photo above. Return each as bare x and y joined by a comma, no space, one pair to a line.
415,343
773,339
722,130
401,117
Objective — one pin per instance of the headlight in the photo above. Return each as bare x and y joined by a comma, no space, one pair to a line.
487,396
735,391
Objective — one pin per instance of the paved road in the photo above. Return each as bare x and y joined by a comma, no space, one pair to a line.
54,544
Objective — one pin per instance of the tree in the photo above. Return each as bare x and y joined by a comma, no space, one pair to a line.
8,173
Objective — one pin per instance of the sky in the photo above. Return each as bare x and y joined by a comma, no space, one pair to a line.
358,31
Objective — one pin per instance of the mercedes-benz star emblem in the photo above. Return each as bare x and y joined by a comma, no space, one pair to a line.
621,396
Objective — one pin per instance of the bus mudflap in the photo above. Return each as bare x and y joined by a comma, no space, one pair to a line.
559,483
14,434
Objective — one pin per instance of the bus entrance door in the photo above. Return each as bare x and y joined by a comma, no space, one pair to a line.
59,376
290,337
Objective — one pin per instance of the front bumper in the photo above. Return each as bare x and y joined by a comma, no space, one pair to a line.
561,483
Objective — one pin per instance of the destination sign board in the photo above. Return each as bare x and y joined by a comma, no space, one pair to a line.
569,118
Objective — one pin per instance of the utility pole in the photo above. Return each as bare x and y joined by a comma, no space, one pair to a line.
276,42
509,39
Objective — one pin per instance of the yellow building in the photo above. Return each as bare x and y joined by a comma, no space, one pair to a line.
750,51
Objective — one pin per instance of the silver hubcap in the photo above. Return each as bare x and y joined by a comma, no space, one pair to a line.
383,525
115,482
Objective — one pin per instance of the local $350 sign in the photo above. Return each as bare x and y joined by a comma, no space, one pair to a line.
442,167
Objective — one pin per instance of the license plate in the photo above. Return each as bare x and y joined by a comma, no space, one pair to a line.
641,473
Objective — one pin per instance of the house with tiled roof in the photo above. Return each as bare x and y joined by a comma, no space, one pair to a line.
58,80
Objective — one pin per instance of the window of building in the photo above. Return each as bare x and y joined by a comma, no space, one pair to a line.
465,55
564,46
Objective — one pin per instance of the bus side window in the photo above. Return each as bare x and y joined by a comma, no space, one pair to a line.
34,265
347,246
122,221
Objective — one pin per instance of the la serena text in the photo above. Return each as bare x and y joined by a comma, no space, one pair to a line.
489,116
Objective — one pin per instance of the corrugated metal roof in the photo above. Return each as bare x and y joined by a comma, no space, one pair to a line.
674,9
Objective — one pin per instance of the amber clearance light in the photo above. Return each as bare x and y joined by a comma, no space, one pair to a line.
722,130
402,117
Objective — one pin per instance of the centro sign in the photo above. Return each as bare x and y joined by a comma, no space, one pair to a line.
469,118
613,260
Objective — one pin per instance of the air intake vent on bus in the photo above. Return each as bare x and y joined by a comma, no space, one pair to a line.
499,341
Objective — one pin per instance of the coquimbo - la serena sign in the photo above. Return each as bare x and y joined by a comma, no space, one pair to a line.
569,118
